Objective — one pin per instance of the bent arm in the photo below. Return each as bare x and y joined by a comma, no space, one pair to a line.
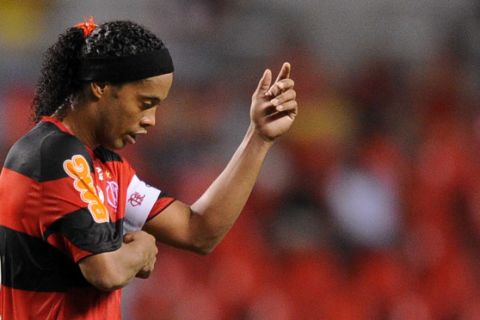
201,226
109,271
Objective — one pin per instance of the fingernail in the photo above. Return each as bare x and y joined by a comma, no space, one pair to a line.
280,108
274,102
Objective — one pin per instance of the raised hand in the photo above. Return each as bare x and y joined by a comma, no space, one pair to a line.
274,106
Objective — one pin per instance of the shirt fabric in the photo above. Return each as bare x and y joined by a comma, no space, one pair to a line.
62,202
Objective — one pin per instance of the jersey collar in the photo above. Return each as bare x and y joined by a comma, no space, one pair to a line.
58,123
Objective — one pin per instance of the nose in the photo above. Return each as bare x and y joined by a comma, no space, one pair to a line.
148,118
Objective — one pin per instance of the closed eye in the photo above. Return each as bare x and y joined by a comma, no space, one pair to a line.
146,106
150,103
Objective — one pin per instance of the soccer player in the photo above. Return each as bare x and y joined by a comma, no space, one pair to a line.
77,224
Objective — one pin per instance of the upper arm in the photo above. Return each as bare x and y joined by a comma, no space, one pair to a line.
174,226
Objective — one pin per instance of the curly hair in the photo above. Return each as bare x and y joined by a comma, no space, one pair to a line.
59,83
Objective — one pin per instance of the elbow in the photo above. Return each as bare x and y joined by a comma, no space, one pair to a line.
203,251
104,276
204,247
106,282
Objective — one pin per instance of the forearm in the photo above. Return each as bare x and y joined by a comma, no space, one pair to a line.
214,213
200,226
113,270
127,262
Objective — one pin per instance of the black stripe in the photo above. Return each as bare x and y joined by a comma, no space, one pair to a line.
40,154
105,155
162,194
80,228
29,263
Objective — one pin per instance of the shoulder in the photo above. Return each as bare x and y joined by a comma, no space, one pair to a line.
40,154
114,163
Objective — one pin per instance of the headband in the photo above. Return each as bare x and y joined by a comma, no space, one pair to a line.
124,69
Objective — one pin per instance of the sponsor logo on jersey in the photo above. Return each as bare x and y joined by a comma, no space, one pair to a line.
77,168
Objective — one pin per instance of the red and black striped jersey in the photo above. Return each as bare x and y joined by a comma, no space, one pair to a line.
62,202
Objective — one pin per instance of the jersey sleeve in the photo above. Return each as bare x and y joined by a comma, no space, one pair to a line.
74,217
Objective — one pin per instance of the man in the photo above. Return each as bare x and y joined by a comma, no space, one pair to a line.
77,223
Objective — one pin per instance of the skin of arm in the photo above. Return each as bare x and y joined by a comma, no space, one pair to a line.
201,226
109,271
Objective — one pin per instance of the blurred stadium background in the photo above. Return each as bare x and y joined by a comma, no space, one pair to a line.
368,209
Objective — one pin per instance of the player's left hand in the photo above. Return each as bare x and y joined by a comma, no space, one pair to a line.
274,106
147,269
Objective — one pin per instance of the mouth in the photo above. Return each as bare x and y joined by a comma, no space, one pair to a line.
132,137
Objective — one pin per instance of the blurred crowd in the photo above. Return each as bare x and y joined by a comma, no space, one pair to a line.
368,209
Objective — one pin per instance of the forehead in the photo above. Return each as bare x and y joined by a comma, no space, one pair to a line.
157,86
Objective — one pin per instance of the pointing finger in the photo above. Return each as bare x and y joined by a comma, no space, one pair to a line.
284,72
282,75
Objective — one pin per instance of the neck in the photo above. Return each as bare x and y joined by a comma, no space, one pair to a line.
80,122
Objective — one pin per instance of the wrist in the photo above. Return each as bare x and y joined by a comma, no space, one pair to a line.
257,139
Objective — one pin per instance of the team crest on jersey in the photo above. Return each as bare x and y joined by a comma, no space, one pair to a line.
78,169
112,194
136,199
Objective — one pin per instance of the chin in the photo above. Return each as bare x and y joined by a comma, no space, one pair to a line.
118,146
115,145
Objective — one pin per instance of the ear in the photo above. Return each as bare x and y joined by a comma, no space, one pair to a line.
97,88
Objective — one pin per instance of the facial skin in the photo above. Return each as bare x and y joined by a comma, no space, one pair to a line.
123,112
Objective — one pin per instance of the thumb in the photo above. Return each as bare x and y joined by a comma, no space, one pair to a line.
265,82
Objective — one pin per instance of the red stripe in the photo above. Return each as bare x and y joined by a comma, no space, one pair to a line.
159,206
19,205
32,207
58,123
79,303
65,245
24,207
61,196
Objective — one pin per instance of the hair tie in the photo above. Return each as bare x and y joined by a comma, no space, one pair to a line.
87,26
